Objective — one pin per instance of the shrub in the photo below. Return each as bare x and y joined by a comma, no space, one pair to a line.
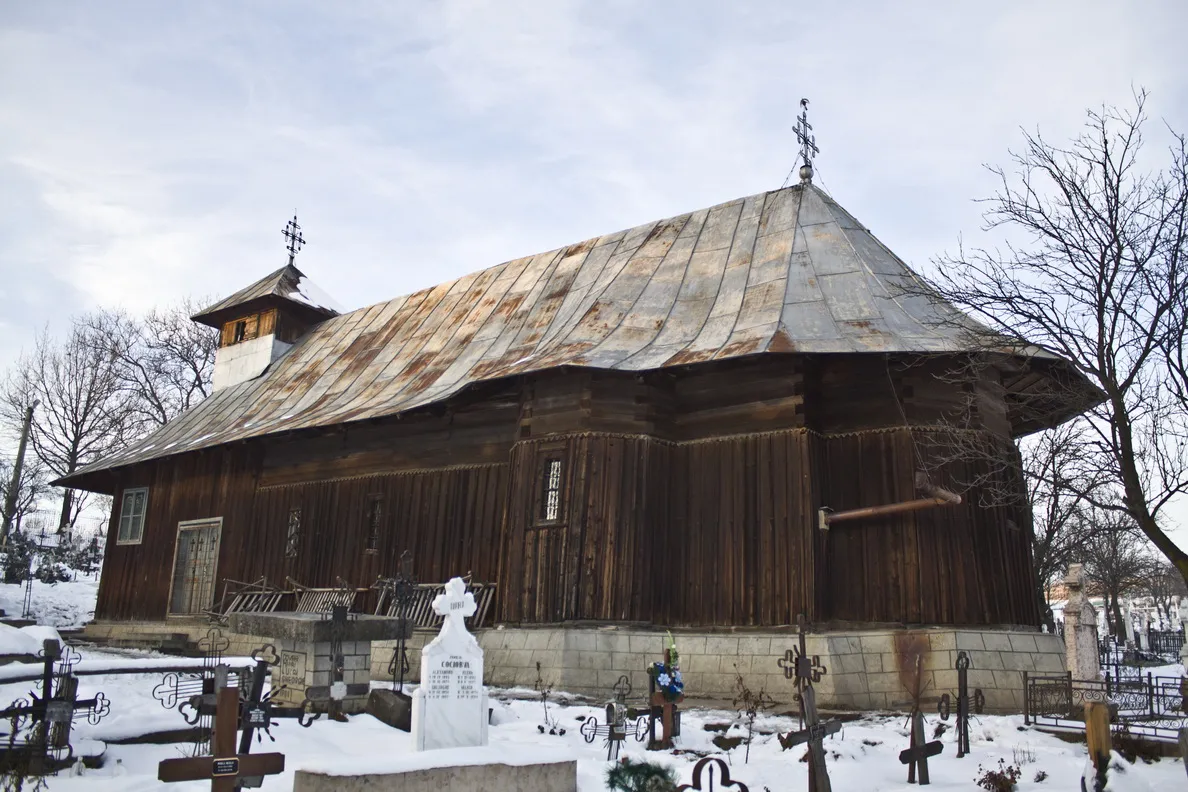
631,775
1001,780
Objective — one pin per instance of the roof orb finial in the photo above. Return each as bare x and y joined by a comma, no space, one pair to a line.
808,142
292,232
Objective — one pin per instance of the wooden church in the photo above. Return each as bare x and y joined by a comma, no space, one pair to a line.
650,428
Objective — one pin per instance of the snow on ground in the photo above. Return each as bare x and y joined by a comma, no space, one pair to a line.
63,605
862,758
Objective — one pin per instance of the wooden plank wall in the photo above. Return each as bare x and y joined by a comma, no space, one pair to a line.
216,483
448,519
739,547
689,498
966,564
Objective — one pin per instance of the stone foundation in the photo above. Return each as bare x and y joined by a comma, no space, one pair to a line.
863,665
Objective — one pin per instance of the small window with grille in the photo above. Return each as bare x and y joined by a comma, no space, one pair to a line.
550,499
375,516
293,536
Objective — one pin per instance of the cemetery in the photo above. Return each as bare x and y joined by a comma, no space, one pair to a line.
104,719
738,483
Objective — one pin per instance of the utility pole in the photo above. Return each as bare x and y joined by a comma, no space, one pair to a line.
14,486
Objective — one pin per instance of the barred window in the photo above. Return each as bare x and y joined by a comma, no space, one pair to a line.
374,518
293,537
550,501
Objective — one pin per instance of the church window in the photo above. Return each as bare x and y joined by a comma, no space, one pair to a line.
240,332
374,518
550,501
293,536
132,510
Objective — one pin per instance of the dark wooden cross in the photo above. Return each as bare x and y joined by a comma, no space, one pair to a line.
663,710
226,766
916,756
814,733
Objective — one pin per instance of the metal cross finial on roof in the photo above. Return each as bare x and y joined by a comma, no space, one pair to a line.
808,142
292,232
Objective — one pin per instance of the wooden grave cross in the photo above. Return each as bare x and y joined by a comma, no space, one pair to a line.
665,711
916,756
226,766
814,733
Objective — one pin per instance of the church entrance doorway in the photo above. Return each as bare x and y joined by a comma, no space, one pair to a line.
192,589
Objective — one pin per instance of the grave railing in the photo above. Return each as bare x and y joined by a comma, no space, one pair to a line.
1166,643
1147,706
420,606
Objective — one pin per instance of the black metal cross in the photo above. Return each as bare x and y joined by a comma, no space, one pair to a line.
965,704
292,233
814,733
798,665
716,776
39,738
916,756
622,690
808,143
402,595
614,731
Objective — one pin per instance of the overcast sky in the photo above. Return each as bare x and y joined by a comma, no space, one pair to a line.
154,150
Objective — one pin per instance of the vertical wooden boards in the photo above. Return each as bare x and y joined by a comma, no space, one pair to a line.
965,564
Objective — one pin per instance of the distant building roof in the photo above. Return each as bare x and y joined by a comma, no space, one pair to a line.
782,271
287,285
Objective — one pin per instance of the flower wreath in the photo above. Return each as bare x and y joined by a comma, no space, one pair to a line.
668,675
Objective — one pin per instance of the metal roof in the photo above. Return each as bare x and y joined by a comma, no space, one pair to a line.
287,283
782,271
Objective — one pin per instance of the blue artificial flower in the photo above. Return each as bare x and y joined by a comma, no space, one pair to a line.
663,680
677,677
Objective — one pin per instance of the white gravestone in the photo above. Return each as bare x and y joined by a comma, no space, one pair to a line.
1080,629
1128,625
449,708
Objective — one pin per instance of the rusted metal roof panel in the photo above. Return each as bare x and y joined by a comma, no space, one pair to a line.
784,271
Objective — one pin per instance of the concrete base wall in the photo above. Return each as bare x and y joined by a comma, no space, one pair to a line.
552,777
863,666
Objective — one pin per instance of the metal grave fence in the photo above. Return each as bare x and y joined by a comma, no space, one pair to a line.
1147,706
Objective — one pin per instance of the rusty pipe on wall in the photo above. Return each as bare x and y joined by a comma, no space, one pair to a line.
937,496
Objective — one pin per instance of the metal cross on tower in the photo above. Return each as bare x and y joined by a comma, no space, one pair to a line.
807,141
292,232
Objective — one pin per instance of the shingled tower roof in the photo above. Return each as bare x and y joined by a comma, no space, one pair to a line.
780,272
288,285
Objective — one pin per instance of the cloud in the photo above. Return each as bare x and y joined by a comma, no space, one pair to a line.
149,151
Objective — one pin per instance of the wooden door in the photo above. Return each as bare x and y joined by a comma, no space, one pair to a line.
192,589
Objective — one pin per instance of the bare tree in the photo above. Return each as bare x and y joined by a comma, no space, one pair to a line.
34,487
1054,472
82,415
163,361
1116,558
1092,267
1163,586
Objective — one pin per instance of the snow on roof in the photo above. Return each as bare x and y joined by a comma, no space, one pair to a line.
309,293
